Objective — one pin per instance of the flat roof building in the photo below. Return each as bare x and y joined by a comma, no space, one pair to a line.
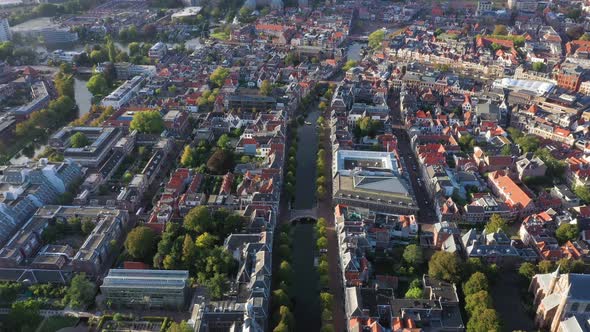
146,288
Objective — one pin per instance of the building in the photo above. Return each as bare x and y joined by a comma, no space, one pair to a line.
47,30
41,98
484,6
570,77
558,298
146,288
101,142
65,56
369,179
249,102
187,12
124,92
158,51
511,192
5,34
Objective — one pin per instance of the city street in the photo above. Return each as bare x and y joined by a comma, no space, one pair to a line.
426,215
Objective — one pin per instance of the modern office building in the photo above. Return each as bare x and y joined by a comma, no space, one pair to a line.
102,140
146,288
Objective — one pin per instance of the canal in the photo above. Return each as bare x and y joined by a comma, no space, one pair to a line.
306,279
82,95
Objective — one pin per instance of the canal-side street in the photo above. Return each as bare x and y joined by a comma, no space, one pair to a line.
306,278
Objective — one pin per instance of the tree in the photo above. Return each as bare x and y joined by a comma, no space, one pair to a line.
366,126
187,159
322,243
87,227
282,326
528,143
326,300
539,66
23,316
79,140
265,88
585,37
134,49
220,162
484,320
477,302
506,150
376,38
141,242
81,292
223,142
444,265
198,220
500,29
219,75
413,255
285,271
327,328
477,282
149,122
172,89
280,298
206,241
179,327
567,232
349,64
98,56
413,293
97,85
496,224
546,266
583,193
527,270
189,251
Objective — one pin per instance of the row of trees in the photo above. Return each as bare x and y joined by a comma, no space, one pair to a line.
282,305
478,304
290,176
321,164
326,299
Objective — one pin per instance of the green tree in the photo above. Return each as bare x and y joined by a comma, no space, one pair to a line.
327,328
150,122
81,292
79,140
206,241
539,66
500,29
545,266
265,88
477,302
467,142
528,143
219,75
583,193
322,243
187,159
189,251
280,298
97,85
198,220
350,64
496,224
585,37
134,49
477,282
23,316
87,227
484,320
527,270
413,255
567,232
141,242
413,293
444,265
368,126
326,300
223,142
172,89
179,327
376,38
220,162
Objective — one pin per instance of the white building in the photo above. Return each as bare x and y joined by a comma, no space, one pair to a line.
123,93
158,51
5,34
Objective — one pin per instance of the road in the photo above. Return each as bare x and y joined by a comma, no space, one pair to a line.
426,215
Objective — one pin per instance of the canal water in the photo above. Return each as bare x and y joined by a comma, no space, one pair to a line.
82,95
306,279
354,51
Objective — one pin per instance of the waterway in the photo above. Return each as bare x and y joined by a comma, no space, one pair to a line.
82,95
306,279
354,51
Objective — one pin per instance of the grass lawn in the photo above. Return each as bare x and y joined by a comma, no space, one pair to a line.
53,324
220,35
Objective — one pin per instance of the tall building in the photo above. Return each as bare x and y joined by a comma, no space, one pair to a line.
5,34
560,297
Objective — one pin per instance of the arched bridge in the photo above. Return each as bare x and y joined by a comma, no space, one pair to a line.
302,214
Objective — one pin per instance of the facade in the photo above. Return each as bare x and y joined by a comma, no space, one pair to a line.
5,34
558,297
158,51
165,289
